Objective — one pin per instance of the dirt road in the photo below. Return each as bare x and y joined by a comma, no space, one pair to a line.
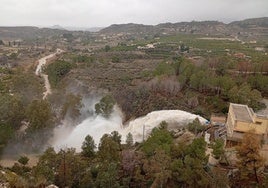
41,63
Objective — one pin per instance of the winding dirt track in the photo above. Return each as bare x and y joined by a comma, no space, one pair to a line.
42,62
9,161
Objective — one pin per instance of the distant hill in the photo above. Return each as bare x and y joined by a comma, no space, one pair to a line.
187,27
90,29
57,27
94,29
257,26
251,23
28,32
17,32
194,27
128,28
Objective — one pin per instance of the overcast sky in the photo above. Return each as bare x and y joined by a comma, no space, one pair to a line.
95,13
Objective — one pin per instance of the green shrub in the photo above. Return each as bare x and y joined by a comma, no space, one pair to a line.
164,69
218,149
57,70
195,127
105,106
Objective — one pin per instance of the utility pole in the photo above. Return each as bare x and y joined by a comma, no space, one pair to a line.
143,132
64,170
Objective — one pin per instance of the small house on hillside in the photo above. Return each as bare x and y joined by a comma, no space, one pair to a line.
243,119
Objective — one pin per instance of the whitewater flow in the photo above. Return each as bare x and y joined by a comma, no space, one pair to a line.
96,126
38,71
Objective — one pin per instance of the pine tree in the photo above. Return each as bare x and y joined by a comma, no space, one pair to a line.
108,149
217,147
88,147
250,161
129,140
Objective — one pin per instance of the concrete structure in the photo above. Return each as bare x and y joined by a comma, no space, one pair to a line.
242,119
217,127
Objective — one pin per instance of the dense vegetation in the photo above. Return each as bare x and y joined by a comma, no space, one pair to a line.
174,80
105,106
163,160
181,71
116,165
26,119
57,70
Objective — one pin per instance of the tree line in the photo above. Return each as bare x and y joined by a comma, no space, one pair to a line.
163,160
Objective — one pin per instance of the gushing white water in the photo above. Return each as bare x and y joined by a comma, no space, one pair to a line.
96,126
174,118
38,71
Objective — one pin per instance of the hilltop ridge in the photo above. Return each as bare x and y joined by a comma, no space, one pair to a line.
258,25
193,27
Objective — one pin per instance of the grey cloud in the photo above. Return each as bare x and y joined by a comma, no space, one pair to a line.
90,13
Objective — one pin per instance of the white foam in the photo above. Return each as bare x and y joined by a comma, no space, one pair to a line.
96,126
174,118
